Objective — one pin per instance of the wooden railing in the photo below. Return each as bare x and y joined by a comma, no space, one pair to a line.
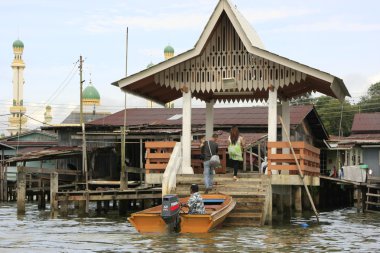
174,167
157,155
307,156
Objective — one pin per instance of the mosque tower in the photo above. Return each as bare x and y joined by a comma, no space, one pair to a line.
17,120
47,115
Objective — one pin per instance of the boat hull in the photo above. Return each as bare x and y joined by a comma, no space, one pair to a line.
150,221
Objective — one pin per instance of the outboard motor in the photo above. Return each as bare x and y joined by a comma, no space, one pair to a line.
170,212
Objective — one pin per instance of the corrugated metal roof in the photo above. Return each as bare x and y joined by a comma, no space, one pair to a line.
4,146
74,117
47,154
248,116
366,122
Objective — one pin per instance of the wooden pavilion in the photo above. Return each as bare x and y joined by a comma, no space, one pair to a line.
229,63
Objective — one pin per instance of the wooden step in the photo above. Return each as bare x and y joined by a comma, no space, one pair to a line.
373,195
249,215
373,203
373,186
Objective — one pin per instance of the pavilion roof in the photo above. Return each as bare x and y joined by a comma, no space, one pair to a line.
229,63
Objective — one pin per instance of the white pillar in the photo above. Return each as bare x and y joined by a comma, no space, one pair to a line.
209,119
285,115
186,133
272,115
272,119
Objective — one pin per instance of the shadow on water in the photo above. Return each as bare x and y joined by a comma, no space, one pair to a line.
339,230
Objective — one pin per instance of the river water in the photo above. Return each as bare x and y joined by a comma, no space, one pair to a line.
339,230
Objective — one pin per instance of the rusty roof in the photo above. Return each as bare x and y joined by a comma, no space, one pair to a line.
366,123
248,116
4,146
47,154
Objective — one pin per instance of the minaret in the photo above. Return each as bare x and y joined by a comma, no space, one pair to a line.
17,120
47,115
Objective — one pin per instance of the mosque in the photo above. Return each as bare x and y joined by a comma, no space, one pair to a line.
17,121
168,53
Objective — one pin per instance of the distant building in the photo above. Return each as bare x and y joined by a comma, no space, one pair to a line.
361,147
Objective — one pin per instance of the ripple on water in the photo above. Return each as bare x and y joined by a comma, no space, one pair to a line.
340,230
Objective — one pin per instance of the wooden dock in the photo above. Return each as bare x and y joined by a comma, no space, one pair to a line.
251,193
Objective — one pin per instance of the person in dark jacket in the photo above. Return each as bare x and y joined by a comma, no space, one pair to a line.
208,149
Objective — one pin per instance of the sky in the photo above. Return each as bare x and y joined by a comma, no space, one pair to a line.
341,37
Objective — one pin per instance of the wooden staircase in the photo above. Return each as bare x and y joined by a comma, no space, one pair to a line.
373,198
252,194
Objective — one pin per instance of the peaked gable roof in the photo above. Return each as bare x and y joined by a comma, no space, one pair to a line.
163,82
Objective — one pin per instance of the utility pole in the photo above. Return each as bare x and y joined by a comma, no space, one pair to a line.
123,171
81,89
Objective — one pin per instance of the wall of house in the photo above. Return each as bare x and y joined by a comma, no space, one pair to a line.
372,159
334,158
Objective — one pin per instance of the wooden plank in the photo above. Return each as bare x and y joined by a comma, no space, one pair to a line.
158,156
109,197
155,166
372,203
282,167
373,195
160,144
48,171
286,157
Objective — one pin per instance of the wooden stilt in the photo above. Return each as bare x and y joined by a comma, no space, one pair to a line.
123,207
300,171
53,192
21,191
64,210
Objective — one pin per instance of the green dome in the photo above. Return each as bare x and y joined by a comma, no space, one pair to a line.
90,93
18,43
169,49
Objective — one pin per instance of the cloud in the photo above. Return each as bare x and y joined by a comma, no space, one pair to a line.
264,15
374,78
167,21
331,25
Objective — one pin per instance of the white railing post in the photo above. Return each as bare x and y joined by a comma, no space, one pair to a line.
172,169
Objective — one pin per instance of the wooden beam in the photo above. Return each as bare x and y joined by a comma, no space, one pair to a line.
47,171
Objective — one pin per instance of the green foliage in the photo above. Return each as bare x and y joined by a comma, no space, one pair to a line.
371,101
332,110
303,100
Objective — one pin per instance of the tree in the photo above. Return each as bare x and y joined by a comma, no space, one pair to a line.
337,117
305,99
371,101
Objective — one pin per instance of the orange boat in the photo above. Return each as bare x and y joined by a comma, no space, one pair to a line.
217,206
